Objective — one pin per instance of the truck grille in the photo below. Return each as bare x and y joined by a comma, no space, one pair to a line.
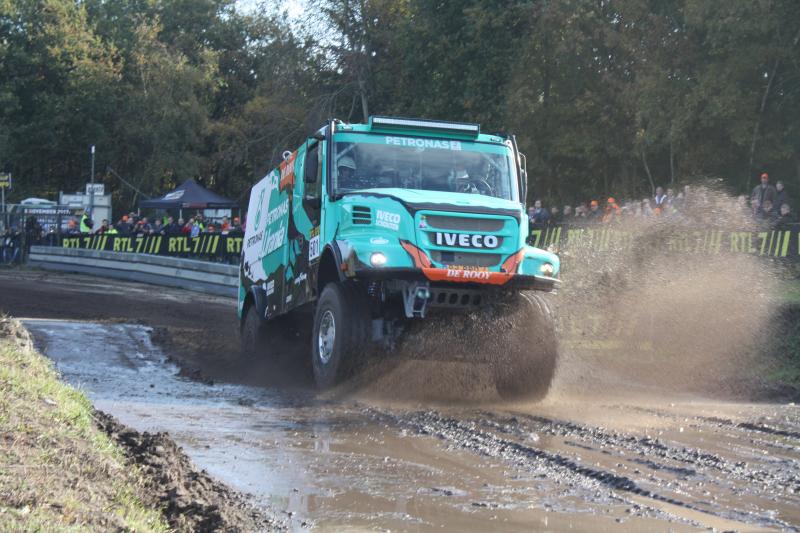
362,215
465,258
463,223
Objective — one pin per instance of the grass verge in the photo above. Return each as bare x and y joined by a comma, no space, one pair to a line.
58,472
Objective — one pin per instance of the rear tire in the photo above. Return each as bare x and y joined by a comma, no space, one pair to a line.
526,368
341,330
253,335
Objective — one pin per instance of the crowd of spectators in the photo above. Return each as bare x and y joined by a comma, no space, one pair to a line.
13,239
768,204
132,224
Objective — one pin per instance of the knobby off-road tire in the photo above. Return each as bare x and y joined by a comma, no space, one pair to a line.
341,331
526,364
253,336
273,352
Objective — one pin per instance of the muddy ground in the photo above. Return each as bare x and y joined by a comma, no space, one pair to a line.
604,450
190,499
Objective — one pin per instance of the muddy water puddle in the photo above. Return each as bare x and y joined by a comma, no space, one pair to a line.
346,465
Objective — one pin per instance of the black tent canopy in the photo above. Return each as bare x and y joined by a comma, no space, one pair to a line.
189,195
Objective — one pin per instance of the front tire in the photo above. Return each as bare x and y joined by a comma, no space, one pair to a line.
527,366
341,326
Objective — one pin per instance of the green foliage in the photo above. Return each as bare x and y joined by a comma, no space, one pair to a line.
605,97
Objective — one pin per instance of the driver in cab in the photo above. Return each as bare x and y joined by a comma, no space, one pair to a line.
346,167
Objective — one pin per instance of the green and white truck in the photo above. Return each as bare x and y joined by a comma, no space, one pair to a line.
367,232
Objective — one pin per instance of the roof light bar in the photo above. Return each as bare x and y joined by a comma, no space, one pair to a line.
473,129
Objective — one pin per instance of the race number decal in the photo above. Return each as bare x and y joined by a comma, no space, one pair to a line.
313,244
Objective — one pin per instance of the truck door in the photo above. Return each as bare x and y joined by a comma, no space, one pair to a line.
304,232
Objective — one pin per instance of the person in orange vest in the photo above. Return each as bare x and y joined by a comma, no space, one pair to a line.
612,210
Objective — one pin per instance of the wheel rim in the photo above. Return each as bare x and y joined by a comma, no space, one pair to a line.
326,337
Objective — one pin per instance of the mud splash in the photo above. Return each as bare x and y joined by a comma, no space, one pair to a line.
642,317
636,318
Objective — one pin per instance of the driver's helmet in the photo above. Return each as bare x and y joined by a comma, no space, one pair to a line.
346,162
347,170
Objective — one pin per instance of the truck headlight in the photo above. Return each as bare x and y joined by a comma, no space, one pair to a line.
547,269
377,259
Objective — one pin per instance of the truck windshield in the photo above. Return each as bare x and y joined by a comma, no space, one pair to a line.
370,161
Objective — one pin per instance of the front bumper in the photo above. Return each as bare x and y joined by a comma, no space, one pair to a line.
472,277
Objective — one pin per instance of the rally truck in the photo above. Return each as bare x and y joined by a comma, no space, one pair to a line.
386,235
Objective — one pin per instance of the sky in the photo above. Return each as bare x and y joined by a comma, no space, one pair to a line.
295,8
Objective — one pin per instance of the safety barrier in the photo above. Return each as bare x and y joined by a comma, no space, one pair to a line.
778,243
203,276
214,246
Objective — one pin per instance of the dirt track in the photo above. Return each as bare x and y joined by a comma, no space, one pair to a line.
626,458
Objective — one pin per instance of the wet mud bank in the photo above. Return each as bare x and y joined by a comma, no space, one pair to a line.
191,500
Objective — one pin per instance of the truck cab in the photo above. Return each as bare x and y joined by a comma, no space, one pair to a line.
367,227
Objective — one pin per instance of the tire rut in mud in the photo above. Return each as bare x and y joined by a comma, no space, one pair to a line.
668,473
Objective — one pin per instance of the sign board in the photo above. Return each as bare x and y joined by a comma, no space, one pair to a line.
96,188
5,181
73,200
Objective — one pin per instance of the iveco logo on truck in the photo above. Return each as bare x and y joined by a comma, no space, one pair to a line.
465,240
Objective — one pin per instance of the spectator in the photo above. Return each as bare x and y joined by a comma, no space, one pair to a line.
51,239
594,213
194,230
628,209
172,228
12,241
786,217
686,197
647,209
211,229
678,203
767,213
568,213
33,232
612,210
158,228
104,228
670,197
144,226
741,203
237,225
123,226
781,196
763,192
754,209
72,227
86,223
225,227
659,200
555,215
539,214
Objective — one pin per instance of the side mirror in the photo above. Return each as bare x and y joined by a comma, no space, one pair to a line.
311,166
